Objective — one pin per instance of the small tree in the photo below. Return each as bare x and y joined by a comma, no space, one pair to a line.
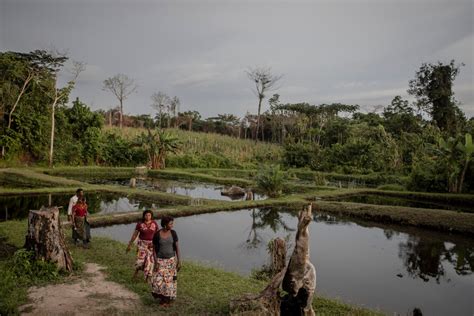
160,103
264,81
271,180
157,145
60,95
174,108
122,87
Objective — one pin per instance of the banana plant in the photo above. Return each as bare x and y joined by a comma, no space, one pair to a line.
157,145
468,150
448,153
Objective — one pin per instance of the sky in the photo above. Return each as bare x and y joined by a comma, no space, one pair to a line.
348,51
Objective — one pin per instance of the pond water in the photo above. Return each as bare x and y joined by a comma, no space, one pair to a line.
390,268
399,201
191,189
18,206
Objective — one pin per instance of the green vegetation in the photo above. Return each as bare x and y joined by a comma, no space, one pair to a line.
270,180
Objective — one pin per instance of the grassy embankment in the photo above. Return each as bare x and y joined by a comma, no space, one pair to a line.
443,220
202,290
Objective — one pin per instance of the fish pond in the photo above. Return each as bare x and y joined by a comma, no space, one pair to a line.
391,268
195,190
18,206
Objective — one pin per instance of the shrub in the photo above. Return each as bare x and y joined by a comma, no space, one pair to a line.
300,155
37,271
271,180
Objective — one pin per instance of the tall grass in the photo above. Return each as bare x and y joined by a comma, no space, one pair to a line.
233,152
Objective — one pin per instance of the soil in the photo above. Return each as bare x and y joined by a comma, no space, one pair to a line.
89,295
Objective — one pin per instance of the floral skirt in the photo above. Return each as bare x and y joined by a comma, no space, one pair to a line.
145,259
83,229
164,281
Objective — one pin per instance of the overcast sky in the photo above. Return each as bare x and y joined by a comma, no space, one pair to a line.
351,51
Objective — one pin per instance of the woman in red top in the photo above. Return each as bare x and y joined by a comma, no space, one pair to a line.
145,230
79,213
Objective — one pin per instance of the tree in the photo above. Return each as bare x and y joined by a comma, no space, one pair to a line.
264,81
157,145
432,87
18,70
174,108
189,117
60,95
400,117
121,86
160,102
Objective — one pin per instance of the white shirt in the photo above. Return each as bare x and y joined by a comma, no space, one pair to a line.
72,202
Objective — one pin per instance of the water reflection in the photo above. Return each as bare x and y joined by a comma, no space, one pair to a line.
389,267
261,220
422,252
423,257
191,189
18,206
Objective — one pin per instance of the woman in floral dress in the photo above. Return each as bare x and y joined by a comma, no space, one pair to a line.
144,230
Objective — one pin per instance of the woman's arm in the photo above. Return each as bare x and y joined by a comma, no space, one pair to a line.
178,256
134,236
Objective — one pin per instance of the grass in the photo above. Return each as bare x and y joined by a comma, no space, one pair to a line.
175,174
29,178
240,152
201,290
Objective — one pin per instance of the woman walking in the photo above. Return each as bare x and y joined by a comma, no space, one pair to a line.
79,213
145,230
164,280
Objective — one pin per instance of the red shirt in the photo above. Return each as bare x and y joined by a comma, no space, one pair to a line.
146,231
80,210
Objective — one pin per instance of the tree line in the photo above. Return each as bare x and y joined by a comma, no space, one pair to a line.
429,139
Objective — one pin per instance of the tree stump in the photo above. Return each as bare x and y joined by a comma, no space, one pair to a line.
268,301
300,278
46,239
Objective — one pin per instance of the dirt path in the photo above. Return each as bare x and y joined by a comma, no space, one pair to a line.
90,295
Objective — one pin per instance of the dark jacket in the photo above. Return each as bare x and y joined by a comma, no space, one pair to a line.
156,240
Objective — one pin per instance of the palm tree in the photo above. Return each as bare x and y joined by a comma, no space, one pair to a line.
158,144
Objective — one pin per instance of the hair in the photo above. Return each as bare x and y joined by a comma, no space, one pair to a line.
166,220
79,190
146,212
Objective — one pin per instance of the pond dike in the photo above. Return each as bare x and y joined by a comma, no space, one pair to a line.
36,181
434,219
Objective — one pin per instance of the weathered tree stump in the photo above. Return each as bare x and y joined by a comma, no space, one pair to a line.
268,301
300,278
46,239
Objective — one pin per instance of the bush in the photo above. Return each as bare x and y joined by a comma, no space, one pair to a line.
118,151
427,175
319,178
37,271
299,155
206,160
271,180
